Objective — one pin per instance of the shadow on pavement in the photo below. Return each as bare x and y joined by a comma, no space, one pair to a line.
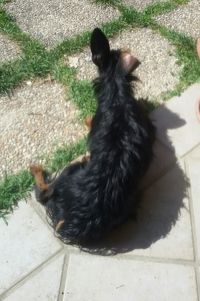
159,207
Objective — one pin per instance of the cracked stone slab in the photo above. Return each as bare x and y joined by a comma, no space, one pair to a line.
9,49
176,121
26,242
102,278
43,285
53,21
185,19
140,5
36,119
158,72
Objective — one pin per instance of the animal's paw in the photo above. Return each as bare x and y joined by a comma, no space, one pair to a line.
36,169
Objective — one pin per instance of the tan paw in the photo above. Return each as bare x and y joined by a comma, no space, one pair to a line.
36,169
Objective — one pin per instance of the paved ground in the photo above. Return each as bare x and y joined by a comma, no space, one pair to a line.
35,124
9,50
53,21
185,19
157,257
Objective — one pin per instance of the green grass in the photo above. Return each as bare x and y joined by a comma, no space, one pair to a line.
71,46
66,154
107,2
4,1
83,95
81,92
186,57
163,7
12,189
63,74
36,61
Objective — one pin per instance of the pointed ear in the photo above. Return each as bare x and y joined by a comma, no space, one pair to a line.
198,47
100,48
128,62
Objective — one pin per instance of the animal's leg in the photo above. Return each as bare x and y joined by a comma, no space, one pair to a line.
88,122
43,191
38,173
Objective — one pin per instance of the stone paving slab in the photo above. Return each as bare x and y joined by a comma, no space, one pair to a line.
36,119
185,19
46,284
156,56
140,5
9,49
177,125
193,162
97,278
53,21
26,242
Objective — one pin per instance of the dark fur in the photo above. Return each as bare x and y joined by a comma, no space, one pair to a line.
93,197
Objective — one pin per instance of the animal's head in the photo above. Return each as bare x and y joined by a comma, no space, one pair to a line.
105,58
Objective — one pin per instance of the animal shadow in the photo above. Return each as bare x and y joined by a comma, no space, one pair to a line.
163,191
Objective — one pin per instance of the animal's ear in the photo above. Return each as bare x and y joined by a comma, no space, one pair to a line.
100,48
128,62
198,47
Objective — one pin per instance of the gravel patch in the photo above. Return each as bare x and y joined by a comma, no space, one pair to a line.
53,21
140,5
9,50
185,19
34,122
158,71
83,64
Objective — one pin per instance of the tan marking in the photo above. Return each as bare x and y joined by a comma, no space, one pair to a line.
88,121
38,173
85,158
59,224
129,62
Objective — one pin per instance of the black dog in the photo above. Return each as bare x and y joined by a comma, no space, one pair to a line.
91,197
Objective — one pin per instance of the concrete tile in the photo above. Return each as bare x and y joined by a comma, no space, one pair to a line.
39,208
97,278
37,119
26,242
162,224
176,121
193,162
9,49
185,19
140,5
53,21
44,285
145,45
